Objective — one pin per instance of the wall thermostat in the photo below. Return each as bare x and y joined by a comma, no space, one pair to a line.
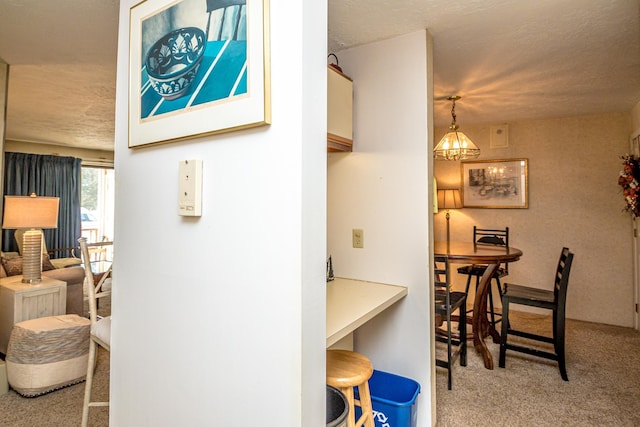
190,188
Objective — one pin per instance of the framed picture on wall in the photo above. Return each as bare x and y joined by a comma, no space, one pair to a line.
197,67
495,184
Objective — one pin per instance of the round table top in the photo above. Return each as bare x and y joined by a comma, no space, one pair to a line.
476,253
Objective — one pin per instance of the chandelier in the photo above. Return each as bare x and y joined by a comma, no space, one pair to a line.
455,145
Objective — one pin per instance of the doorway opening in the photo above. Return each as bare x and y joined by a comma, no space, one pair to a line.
97,206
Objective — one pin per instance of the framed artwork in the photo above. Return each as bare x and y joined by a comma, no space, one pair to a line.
197,67
495,184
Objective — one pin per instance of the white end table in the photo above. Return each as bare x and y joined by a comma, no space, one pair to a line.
22,301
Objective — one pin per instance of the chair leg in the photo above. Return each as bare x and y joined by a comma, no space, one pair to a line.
449,352
463,340
348,394
504,332
91,364
365,406
499,286
463,313
558,343
492,312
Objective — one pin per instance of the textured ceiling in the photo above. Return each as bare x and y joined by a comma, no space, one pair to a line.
62,57
508,59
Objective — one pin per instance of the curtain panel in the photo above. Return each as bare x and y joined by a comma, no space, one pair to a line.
44,175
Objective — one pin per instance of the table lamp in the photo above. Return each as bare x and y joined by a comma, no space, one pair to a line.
449,199
31,213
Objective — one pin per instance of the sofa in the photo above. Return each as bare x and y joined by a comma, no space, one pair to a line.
74,276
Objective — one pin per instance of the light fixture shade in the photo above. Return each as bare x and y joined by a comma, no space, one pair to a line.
455,145
30,212
449,199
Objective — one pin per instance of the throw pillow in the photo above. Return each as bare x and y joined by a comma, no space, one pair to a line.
13,266
46,263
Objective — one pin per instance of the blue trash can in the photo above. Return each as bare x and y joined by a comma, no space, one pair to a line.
393,399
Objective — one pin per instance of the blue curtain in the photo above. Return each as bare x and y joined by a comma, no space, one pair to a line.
46,176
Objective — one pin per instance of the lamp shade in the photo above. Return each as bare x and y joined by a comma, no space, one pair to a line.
455,145
449,199
30,212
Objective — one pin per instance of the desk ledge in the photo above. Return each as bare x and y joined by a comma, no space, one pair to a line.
351,303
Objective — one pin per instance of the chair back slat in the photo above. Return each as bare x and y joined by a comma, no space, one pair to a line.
94,290
561,282
441,268
441,282
493,237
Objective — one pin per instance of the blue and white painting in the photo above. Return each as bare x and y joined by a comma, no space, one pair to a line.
193,54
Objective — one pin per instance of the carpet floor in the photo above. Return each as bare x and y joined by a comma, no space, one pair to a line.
603,364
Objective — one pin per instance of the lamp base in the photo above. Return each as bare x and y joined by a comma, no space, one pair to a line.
32,257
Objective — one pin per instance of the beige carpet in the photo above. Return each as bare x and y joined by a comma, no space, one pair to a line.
603,365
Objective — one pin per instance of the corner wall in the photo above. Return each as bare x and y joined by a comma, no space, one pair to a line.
220,320
382,187
574,201
4,82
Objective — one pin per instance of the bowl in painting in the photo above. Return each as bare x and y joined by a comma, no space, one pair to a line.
173,61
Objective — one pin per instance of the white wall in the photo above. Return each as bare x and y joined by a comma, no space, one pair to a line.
4,82
574,201
382,188
220,320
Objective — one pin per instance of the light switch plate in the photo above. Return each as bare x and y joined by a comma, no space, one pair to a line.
357,235
190,188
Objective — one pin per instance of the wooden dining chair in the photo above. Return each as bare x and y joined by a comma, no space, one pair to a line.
554,300
447,302
491,237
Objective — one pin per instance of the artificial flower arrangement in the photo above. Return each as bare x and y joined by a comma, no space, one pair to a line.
629,180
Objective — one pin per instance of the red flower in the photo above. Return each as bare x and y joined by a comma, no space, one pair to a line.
629,180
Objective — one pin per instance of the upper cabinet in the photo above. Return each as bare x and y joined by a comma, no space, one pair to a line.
339,111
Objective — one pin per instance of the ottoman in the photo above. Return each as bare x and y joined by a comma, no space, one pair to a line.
47,353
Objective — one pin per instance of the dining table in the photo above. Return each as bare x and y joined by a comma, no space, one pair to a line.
491,256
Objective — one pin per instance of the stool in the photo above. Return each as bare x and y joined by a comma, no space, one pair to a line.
346,370
48,353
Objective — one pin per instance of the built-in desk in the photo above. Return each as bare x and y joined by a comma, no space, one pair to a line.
351,303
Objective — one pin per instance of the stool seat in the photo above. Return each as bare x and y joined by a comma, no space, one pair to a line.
346,370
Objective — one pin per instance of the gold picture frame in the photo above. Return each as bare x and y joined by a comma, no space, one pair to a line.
197,67
495,184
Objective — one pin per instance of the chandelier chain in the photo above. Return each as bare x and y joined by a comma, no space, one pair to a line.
453,111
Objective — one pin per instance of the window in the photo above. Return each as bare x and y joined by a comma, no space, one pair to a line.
97,200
